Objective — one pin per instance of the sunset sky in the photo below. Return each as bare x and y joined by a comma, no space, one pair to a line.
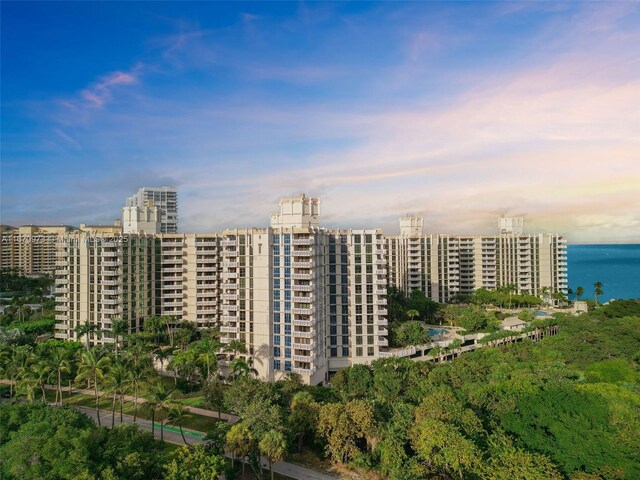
459,111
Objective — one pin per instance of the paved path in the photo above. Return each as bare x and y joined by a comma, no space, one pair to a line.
227,417
172,435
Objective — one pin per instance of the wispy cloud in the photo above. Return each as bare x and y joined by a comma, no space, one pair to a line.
99,93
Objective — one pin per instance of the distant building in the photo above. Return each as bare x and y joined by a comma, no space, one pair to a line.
165,199
444,265
31,249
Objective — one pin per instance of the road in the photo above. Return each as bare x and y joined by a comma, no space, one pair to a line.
172,435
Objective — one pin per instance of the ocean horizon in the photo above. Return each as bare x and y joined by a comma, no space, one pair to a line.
617,266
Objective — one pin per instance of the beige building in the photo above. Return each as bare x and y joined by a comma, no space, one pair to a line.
444,265
100,278
30,249
165,199
302,299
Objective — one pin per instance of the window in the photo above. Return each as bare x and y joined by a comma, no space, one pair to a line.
276,339
287,353
276,351
287,365
276,364
287,342
287,317
276,328
287,329
287,238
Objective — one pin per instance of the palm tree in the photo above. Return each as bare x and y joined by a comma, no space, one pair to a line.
579,292
119,327
239,441
158,398
27,387
84,330
92,367
242,368
412,314
235,347
139,378
41,371
597,290
208,350
117,382
273,446
177,415
59,361
161,355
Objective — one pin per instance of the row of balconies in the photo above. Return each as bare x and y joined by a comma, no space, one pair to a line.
303,322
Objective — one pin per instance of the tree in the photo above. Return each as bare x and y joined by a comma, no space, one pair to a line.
207,354
119,327
273,446
240,441
59,360
216,437
303,417
92,367
343,426
213,393
117,381
579,292
158,398
194,463
85,330
177,415
412,314
597,291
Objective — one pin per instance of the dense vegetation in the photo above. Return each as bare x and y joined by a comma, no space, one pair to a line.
20,323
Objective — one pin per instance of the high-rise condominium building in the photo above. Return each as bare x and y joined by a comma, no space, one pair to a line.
445,265
30,250
301,298
165,199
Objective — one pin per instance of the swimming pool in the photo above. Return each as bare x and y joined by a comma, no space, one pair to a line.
436,331
540,313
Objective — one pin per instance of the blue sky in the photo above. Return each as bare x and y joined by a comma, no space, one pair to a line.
459,111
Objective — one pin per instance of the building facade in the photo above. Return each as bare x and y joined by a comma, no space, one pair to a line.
301,298
443,265
165,199
31,250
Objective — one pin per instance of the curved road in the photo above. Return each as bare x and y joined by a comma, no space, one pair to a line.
172,435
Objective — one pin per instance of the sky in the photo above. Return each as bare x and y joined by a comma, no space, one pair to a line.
461,112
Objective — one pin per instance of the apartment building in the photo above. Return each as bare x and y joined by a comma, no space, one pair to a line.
445,265
302,298
30,249
100,278
165,199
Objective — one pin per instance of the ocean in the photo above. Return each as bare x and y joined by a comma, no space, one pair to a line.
616,266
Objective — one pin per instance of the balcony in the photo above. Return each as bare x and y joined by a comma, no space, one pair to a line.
111,301
381,282
302,311
61,308
302,241
206,269
112,311
172,251
229,318
383,322
61,336
61,272
383,332
297,333
206,244
112,291
307,264
303,371
229,253
303,276
304,346
61,290
61,326
229,285
302,253
171,286
229,264
229,296
173,270
381,252
114,263
303,288
230,308
61,263
228,242
111,253
303,323
381,261
228,329
304,358
381,301
171,295
61,281
62,317
229,275
308,299
111,282
383,342
206,303
382,311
